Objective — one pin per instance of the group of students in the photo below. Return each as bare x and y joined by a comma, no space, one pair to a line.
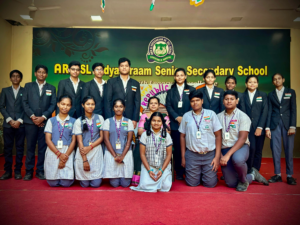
206,127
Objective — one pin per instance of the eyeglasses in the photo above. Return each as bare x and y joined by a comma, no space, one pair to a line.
77,70
99,70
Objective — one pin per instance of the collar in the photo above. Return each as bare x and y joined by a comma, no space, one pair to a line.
124,80
40,84
103,82
180,87
253,93
282,89
60,120
118,120
73,82
210,88
234,112
16,89
156,134
202,111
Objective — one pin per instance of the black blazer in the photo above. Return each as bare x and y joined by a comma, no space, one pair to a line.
33,103
258,111
241,104
172,100
91,89
286,110
114,89
11,106
215,104
65,87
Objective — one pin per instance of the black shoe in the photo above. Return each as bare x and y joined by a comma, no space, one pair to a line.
28,176
259,178
291,180
275,179
18,176
6,176
41,176
179,177
222,178
242,186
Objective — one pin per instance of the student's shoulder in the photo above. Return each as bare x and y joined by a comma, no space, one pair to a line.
209,112
243,116
72,120
135,82
50,86
5,89
99,116
191,88
112,80
187,114
218,89
263,94
221,114
290,90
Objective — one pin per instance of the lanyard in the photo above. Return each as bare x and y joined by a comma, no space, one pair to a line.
227,129
157,147
91,128
61,133
198,125
181,96
118,130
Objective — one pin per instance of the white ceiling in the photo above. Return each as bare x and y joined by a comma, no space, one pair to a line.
135,13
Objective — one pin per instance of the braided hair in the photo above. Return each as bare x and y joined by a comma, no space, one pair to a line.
147,125
83,119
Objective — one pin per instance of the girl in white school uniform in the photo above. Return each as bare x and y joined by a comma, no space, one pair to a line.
118,159
61,142
156,153
89,155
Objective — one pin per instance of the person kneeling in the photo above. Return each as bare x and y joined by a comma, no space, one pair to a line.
156,153
235,145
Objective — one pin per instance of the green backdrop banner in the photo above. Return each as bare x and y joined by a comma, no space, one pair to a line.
155,54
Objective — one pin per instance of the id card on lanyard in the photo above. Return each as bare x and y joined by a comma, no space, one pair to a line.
198,133
91,129
60,142
118,130
157,147
180,103
228,127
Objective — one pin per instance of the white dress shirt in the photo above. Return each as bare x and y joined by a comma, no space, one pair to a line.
210,91
251,95
40,86
100,86
16,91
279,93
180,90
75,86
125,82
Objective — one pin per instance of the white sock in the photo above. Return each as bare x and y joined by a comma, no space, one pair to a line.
289,175
252,175
279,174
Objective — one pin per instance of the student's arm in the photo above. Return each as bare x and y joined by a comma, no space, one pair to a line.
216,161
70,149
263,117
29,112
60,91
293,117
3,106
62,156
145,162
140,131
137,105
222,107
119,159
169,144
86,164
87,149
182,130
48,113
108,144
169,107
86,91
270,108
108,100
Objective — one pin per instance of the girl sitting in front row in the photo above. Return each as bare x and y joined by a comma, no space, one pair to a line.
156,153
118,159
89,156
61,142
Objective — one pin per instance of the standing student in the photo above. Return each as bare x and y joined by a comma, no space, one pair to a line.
177,104
126,88
231,83
13,129
235,145
281,123
73,87
156,153
212,96
256,107
118,160
89,155
201,140
96,88
39,101
61,141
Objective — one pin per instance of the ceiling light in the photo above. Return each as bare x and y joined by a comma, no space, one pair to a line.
26,17
297,19
96,18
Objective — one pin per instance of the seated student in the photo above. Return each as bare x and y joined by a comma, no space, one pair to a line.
61,141
201,141
281,123
96,88
212,96
230,83
89,155
118,160
73,87
156,153
13,129
235,145
39,101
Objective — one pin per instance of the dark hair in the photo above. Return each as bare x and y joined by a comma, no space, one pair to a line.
147,125
231,92
64,96
176,71
96,65
248,78
16,71
153,97
209,71
277,74
117,100
74,63
230,77
41,67
83,119
196,94
121,60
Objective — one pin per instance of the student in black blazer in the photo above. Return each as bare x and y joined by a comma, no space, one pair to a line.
96,88
177,104
13,129
281,123
256,107
72,87
39,101
230,83
125,88
212,96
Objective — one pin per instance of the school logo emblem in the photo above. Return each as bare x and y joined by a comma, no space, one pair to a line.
160,50
196,2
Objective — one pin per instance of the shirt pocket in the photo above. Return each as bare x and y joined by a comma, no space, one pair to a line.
234,128
206,127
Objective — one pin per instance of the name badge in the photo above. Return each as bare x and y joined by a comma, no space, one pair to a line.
90,142
226,135
156,159
180,104
198,135
286,97
118,145
59,144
